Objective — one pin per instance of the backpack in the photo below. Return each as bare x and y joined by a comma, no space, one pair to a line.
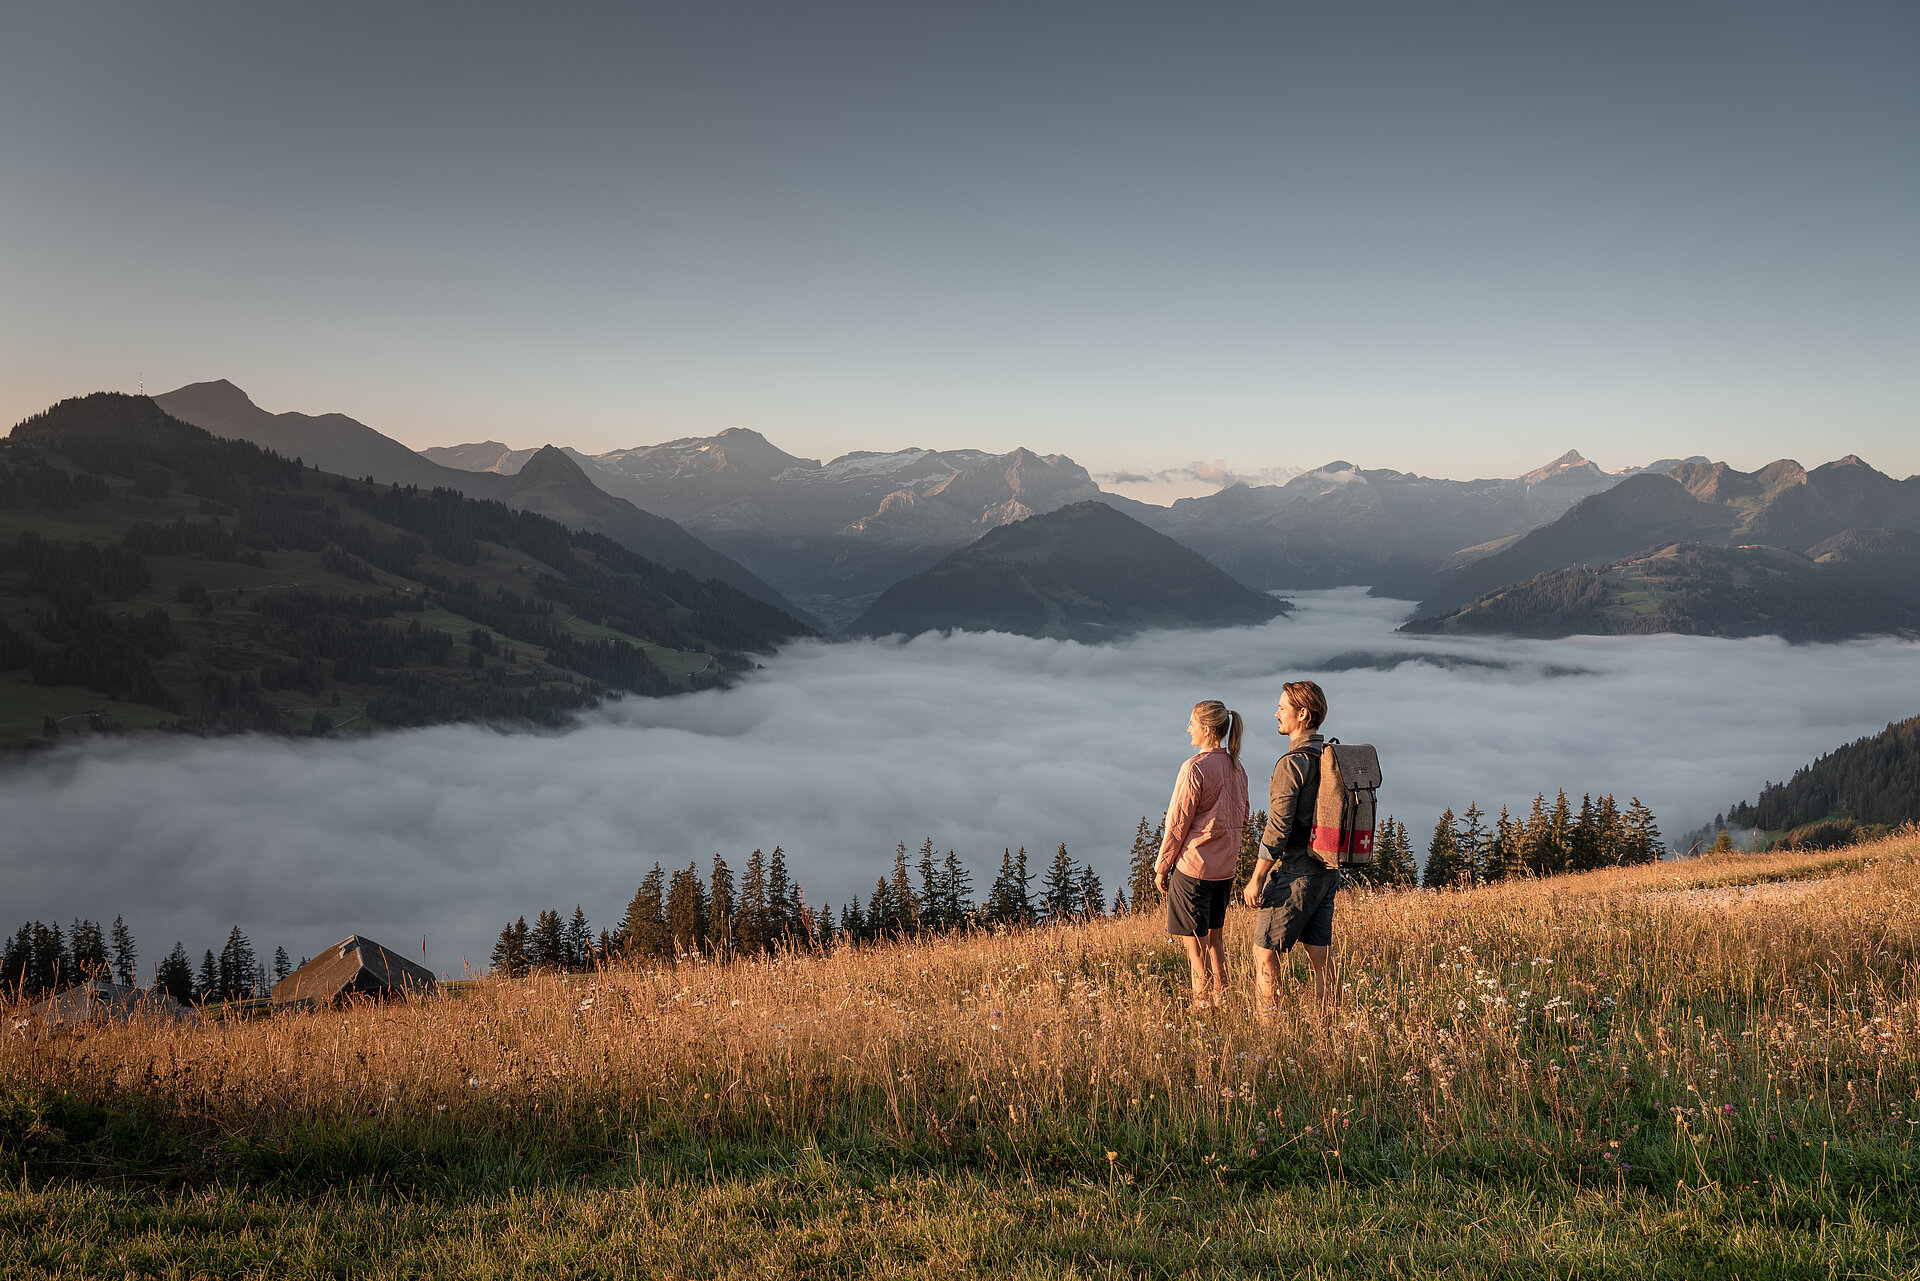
1343,811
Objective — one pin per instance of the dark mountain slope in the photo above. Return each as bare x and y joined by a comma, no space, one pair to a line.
1695,589
1085,571
1872,780
332,442
154,575
553,485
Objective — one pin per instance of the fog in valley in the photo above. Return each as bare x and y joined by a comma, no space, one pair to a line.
837,752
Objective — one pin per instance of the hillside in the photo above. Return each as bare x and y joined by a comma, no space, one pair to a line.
154,576
1781,505
1086,572
1704,590
1873,780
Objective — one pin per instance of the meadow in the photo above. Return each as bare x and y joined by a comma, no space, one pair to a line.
1699,1068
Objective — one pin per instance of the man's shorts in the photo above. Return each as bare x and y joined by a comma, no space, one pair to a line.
1296,906
1196,907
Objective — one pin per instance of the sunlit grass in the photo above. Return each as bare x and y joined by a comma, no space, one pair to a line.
1595,1043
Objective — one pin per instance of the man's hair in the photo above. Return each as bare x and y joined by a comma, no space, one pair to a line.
1307,697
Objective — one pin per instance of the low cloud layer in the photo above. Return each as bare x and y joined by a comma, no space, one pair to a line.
1195,480
837,752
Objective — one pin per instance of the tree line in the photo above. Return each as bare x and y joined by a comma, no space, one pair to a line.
1863,789
765,909
40,959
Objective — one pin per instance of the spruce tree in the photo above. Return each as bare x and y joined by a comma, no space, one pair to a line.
1141,887
1536,839
905,900
579,941
1470,837
1119,908
1091,894
882,916
1643,834
643,930
1558,849
1611,831
208,986
1443,869
510,951
686,910
1583,838
1059,897
282,964
750,936
1503,858
89,947
16,963
823,928
124,953
1393,857
1003,896
548,943
1024,879
780,925
956,892
933,915
175,975
236,966
853,923
721,910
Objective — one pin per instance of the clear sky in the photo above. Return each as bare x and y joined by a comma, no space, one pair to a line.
1449,238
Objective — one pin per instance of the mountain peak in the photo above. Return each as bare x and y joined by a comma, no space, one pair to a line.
550,464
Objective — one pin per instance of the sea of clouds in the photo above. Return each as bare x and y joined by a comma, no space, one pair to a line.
839,751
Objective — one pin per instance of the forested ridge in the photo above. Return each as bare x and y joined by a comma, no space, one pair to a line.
1851,793
209,585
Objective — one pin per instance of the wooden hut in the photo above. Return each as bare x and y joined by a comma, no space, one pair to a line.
354,966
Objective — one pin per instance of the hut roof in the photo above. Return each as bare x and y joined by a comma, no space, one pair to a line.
354,964
99,1001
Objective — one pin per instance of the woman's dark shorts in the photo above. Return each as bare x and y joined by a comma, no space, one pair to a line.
1296,906
1196,907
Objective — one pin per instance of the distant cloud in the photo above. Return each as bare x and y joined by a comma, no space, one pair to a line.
838,751
1195,480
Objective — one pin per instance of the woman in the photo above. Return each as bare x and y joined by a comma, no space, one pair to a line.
1201,845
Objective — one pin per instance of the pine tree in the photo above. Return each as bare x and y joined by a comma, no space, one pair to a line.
124,953
1091,894
956,893
1536,839
853,922
721,910
1443,870
208,986
1583,838
881,913
905,901
16,963
1024,878
1612,832
1393,857
282,964
823,927
175,975
510,958
579,941
643,930
1643,834
686,910
1059,898
236,967
780,925
1558,849
547,946
750,936
1503,858
1003,897
1119,908
1141,886
933,915
1470,837
1723,843
89,947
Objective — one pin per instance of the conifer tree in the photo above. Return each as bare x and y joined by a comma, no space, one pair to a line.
1583,838
1470,836
1503,858
208,984
547,946
1536,840
780,926
853,922
882,916
174,976
1443,870
89,948
124,953
686,910
1091,895
1393,857
905,901
1611,832
956,892
510,957
643,929
282,964
721,909
1059,897
579,941
1141,858
750,934
1003,898
1024,879
1119,908
932,901
1559,845
823,927
1643,834
236,967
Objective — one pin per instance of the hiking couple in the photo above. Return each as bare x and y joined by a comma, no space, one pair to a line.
1291,888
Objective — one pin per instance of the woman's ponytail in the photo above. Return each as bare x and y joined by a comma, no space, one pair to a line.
1236,724
1226,725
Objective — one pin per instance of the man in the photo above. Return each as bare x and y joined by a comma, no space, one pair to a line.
1291,888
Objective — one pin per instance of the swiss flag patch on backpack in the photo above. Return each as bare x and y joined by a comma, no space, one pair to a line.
1343,812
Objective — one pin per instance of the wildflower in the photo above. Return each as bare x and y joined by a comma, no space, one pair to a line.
1726,1107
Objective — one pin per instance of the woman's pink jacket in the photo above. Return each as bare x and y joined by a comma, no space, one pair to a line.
1206,817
